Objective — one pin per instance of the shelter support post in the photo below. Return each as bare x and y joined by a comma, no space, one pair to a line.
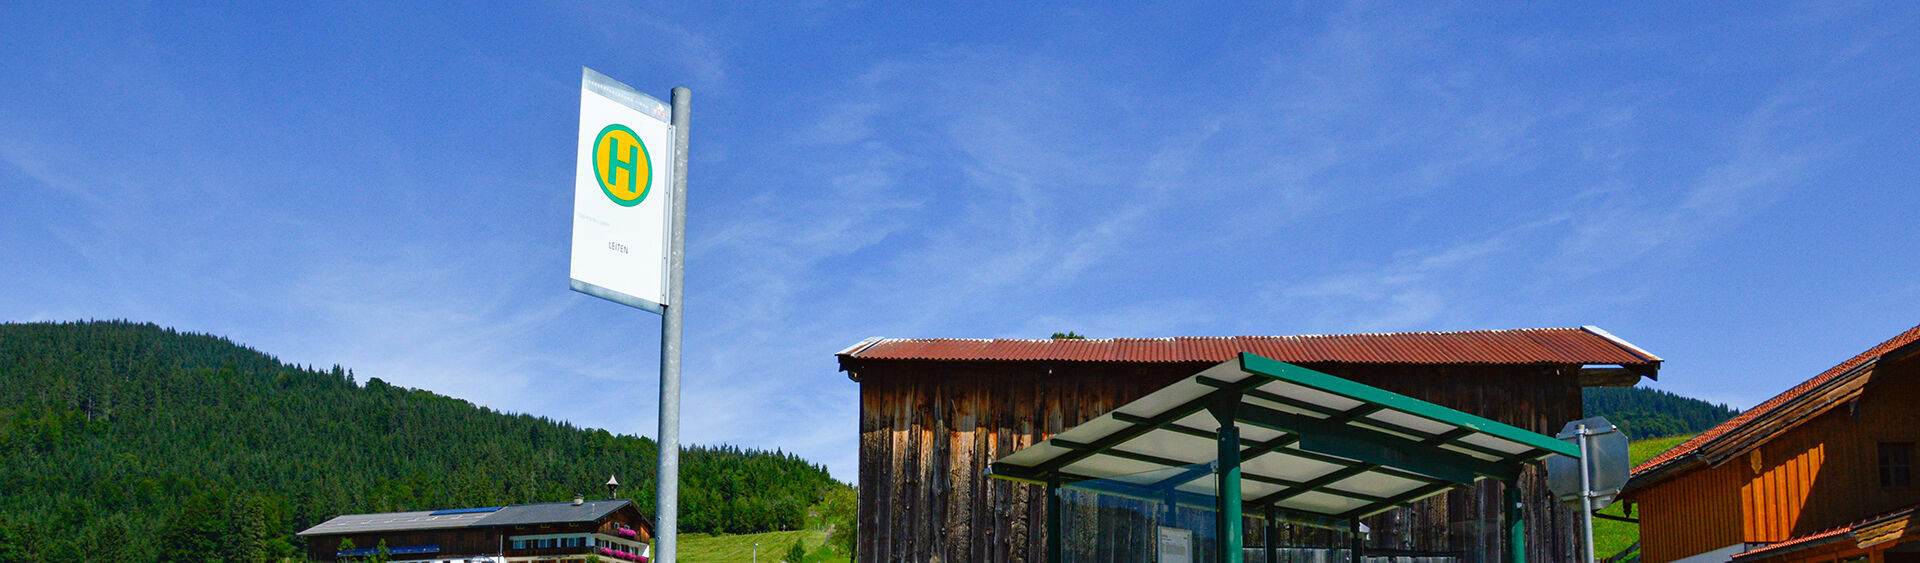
1173,508
1228,535
1272,550
1353,540
1053,519
1516,536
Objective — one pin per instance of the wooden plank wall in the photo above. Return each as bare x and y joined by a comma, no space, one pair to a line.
1820,474
929,429
1694,513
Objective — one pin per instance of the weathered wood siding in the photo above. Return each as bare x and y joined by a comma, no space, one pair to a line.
929,429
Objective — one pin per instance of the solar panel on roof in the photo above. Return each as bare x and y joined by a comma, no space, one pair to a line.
465,510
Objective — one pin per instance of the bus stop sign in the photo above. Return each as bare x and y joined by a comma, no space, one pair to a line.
1606,463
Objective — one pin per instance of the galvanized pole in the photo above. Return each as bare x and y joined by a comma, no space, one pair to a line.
1586,491
667,489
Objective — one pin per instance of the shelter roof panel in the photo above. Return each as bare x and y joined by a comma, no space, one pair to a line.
1260,434
1035,454
1405,420
1322,503
1256,489
1377,483
1203,486
1283,465
1327,446
1104,464
1494,444
1168,444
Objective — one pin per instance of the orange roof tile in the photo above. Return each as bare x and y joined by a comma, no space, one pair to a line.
1762,409
1823,536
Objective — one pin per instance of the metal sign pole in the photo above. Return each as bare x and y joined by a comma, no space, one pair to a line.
1586,491
667,490
1602,467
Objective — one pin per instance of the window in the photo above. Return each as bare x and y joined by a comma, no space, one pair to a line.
519,544
1896,464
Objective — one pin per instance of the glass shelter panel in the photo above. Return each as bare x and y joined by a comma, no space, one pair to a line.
1160,516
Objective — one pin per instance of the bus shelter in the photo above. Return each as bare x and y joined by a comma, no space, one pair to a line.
1259,437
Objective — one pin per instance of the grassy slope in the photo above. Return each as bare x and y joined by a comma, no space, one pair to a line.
1609,537
698,548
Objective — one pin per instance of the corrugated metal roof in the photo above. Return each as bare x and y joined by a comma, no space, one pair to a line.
1777,401
519,514
1576,346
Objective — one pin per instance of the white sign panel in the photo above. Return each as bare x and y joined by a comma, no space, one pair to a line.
621,214
1176,545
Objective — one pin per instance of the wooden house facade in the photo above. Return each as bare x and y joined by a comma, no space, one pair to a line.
934,413
556,532
1820,473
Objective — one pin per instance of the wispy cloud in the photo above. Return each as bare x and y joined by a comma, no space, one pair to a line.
1361,167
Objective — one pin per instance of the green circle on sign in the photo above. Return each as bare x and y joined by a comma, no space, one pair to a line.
622,165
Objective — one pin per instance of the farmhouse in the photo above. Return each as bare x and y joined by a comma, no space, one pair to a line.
935,413
1822,472
554,532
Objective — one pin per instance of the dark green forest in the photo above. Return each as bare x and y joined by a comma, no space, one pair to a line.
132,442
1650,413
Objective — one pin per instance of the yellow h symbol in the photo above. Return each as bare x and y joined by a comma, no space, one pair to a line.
621,164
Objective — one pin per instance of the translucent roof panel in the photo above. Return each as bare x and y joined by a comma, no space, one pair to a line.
1309,442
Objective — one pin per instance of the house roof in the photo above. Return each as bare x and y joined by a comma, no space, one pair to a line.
512,515
1866,533
394,521
1563,346
1769,409
553,513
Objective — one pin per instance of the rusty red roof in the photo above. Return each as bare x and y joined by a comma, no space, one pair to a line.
1576,346
1777,401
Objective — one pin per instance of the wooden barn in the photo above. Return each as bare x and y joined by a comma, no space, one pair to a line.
935,412
1820,473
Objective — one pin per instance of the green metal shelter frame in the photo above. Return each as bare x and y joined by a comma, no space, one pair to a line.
1290,442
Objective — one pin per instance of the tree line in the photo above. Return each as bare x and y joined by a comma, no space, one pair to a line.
131,442
1651,413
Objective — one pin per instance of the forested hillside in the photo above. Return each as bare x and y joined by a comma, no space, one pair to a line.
1649,413
130,442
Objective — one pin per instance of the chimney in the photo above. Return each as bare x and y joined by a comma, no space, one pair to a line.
579,500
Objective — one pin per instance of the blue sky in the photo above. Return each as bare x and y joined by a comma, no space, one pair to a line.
389,187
